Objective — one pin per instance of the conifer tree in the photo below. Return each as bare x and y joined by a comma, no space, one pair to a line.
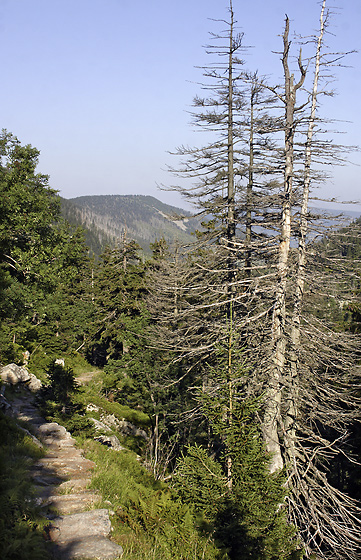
302,367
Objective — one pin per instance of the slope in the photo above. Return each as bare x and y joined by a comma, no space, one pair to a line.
142,218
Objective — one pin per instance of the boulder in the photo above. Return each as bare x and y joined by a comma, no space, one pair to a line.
100,426
34,383
14,374
123,426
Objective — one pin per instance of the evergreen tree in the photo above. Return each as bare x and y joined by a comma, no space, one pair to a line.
300,364
42,260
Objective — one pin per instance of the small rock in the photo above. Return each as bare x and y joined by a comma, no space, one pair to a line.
60,362
111,441
90,407
100,426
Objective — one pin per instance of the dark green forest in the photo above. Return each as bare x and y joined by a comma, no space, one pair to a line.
238,351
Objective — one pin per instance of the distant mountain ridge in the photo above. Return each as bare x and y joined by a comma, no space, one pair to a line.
105,219
143,218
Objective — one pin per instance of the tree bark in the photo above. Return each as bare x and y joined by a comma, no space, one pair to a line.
290,418
273,394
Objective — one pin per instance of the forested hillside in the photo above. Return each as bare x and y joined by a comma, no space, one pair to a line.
138,217
236,354
95,239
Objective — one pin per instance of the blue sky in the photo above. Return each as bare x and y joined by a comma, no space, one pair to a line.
102,87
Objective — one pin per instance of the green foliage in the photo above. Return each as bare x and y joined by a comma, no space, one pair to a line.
246,514
248,519
198,477
119,311
20,522
59,403
149,521
44,267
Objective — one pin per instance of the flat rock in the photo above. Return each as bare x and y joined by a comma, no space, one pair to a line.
72,503
93,523
96,548
76,484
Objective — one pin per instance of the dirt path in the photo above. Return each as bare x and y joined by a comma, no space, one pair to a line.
62,478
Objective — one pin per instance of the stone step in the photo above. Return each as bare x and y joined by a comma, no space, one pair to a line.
65,466
76,484
56,443
45,479
72,503
96,548
91,523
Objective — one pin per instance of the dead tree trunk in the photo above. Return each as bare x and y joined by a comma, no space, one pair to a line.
273,394
290,418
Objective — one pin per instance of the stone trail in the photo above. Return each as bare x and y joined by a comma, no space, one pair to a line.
61,480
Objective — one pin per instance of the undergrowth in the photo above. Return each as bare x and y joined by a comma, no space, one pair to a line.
150,521
136,417
21,525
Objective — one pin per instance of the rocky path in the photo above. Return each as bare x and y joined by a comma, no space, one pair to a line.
62,477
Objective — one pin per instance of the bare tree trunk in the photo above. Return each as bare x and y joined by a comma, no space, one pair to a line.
231,223
249,191
293,390
273,394
231,226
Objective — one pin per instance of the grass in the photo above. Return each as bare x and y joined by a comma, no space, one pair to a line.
40,360
21,524
150,522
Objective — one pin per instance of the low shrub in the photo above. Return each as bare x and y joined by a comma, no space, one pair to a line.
150,521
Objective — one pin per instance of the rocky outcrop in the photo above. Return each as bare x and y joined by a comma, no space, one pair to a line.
123,426
13,374
110,423
100,426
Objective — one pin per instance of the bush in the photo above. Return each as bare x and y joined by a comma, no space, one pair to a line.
150,521
58,401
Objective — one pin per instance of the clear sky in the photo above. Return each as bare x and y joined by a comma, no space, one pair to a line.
102,87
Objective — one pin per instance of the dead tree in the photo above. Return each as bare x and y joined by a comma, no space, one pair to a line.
264,282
